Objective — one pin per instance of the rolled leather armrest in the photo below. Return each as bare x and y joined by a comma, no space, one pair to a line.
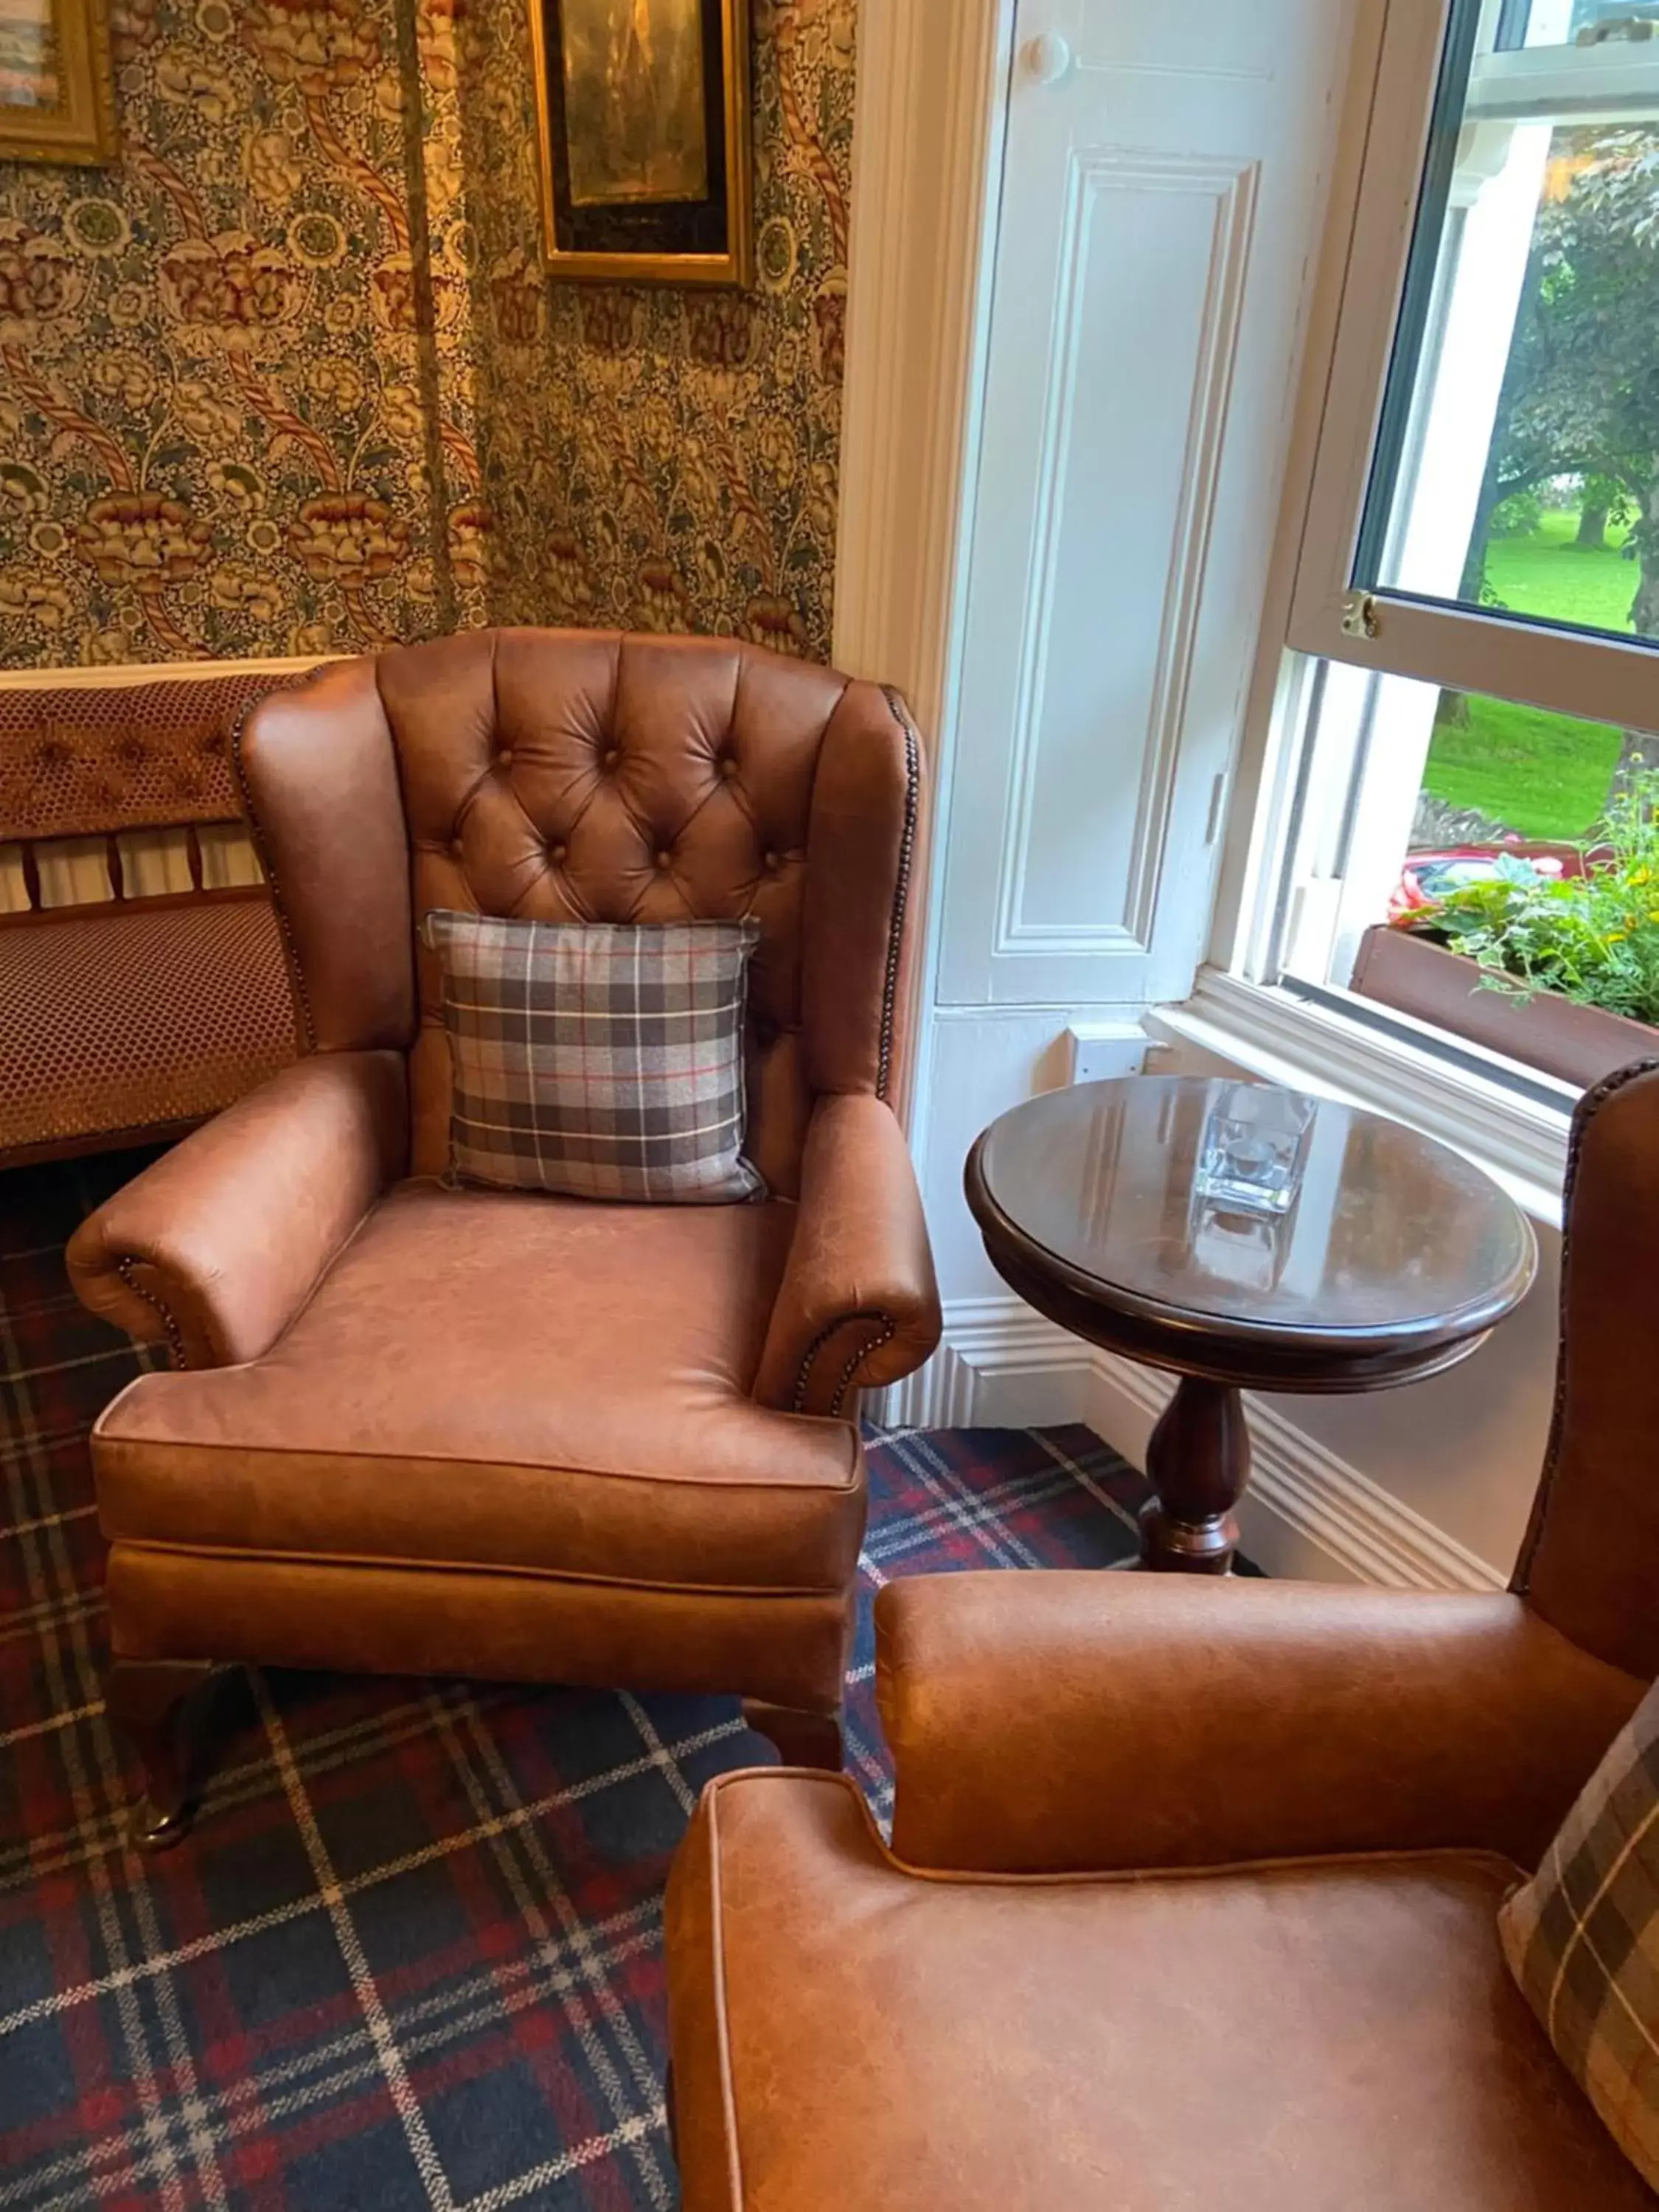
1058,1722
858,1305
215,1248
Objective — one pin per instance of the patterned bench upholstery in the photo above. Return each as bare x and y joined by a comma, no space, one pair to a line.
143,980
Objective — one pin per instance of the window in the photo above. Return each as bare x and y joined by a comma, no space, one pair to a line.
1475,613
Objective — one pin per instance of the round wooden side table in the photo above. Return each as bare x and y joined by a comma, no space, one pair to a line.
1393,1260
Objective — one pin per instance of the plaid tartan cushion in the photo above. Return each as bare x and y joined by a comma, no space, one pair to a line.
598,1061
1582,1940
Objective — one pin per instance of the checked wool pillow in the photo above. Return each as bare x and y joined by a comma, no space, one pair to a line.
1582,1939
598,1061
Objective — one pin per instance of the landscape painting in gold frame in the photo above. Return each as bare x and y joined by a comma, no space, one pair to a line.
57,82
643,109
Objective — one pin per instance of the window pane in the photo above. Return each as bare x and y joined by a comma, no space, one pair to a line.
1518,467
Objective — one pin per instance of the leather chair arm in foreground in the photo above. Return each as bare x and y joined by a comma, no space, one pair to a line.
1193,1893
1157,1722
215,1248
858,1306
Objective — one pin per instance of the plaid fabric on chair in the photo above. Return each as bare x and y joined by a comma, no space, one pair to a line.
598,1061
1582,1940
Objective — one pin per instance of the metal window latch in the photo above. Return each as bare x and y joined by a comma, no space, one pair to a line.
1359,615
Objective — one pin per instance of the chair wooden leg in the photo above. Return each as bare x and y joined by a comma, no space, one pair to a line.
154,1703
802,1739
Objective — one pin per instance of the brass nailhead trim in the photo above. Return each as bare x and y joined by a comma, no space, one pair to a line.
175,1335
902,888
888,1329
866,1351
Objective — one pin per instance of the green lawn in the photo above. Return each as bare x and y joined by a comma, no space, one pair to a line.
1547,575
1545,775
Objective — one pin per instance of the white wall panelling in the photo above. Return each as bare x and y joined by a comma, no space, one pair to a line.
1071,879
1112,355
927,158
1159,207
927,166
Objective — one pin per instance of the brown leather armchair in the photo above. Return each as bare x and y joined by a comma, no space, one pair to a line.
1192,1890
417,1429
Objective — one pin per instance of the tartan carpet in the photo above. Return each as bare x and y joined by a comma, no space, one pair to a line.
410,1955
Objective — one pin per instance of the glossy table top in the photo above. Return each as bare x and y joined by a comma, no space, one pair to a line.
1393,1238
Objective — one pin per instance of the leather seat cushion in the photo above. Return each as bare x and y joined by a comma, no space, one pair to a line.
1321,2035
488,1380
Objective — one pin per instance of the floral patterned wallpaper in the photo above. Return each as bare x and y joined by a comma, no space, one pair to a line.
667,459
213,431
291,379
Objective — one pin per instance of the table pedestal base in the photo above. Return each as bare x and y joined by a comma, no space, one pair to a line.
1198,1465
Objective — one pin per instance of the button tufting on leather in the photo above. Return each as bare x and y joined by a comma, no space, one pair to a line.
504,758
665,859
611,756
773,862
557,852
455,847
728,767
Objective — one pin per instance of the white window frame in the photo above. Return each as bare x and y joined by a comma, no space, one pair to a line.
1594,678
1509,1118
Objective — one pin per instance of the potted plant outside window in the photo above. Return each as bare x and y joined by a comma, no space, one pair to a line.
1561,972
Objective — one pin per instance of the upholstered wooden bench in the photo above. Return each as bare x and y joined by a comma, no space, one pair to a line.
143,979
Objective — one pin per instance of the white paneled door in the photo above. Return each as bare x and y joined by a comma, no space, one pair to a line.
1163,193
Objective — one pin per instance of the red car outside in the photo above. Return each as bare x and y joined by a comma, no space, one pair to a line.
1426,877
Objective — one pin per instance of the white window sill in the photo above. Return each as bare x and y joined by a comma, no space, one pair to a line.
1518,1135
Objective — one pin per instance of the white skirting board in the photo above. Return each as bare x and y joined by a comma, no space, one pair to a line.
1308,1515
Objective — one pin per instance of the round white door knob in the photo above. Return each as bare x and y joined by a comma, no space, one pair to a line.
1047,58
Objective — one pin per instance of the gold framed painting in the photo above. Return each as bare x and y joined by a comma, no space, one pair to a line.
644,113
57,82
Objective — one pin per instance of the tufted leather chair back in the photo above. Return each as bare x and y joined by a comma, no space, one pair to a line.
575,776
